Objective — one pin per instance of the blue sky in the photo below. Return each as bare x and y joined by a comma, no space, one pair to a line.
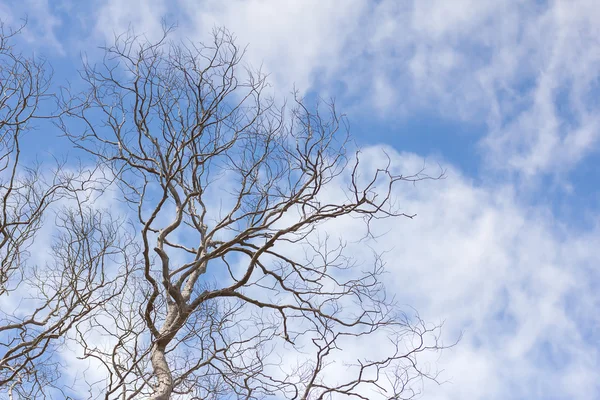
503,94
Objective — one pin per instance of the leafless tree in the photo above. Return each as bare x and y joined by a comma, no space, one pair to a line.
243,294
40,303
221,279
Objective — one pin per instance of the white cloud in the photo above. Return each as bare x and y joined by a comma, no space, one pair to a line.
507,275
145,16
41,22
527,69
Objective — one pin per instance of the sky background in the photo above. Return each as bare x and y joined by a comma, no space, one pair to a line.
503,94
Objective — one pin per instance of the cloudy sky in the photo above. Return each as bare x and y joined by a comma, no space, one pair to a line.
502,93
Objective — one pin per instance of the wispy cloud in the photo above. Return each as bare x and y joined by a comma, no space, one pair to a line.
526,69
513,279
41,22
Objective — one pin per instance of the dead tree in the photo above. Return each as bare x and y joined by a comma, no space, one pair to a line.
242,293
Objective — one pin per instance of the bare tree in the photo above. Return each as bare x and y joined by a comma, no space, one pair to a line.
242,293
41,303
221,281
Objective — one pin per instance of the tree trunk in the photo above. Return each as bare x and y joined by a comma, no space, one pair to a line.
164,386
